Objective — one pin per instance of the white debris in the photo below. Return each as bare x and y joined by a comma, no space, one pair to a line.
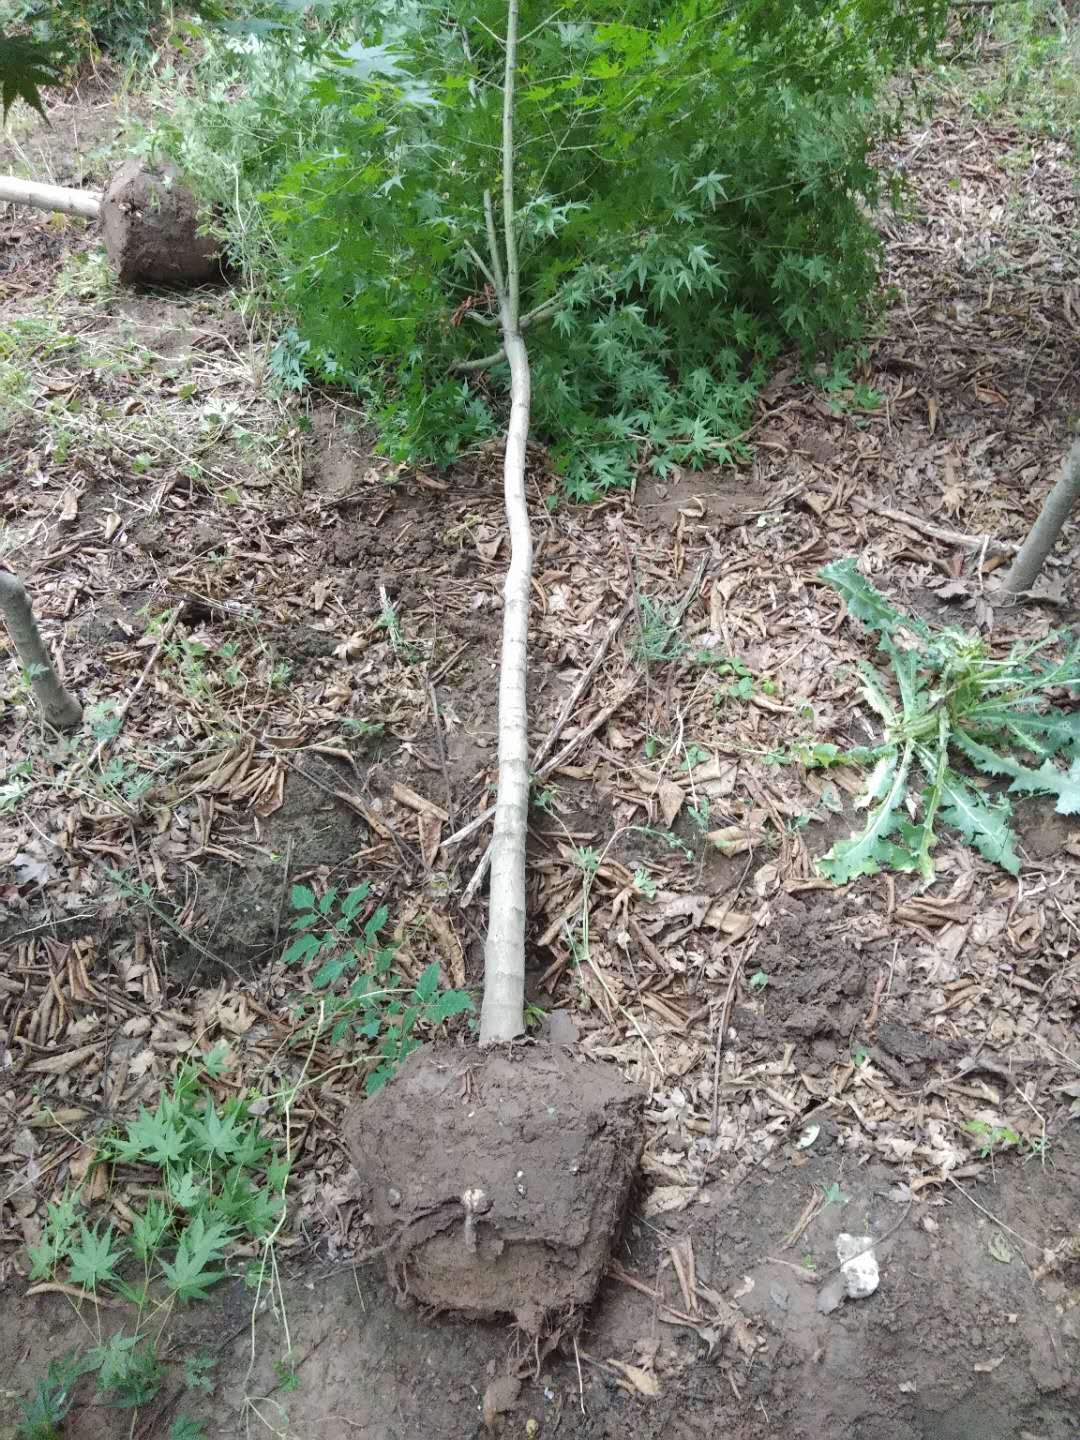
858,1265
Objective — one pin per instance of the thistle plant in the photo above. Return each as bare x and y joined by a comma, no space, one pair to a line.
951,708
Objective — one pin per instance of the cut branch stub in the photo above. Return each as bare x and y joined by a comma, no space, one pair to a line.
58,705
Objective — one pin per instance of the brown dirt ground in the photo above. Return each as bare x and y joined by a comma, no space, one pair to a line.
813,1059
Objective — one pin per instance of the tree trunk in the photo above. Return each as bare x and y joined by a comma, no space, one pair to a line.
502,1015
1024,570
58,706
50,197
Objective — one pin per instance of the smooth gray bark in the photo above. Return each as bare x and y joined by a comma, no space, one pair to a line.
59,707
1042,537
57,198
502,1015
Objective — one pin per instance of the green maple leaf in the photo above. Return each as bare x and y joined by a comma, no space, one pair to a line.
185,1428
95,1258
185,1190
218,1133
25,65
200,1245
156,1138
148,1228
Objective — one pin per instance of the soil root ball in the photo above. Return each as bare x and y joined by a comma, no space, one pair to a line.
497,1182
151,225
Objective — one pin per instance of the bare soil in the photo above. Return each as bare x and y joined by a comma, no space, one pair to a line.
880,1061
969,1337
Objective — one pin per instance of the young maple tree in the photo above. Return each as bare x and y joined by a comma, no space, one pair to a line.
693,181
657,198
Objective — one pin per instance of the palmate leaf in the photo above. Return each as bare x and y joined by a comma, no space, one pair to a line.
1048,779
95,1258
200,1245
25,66
982,823
871,848
867,603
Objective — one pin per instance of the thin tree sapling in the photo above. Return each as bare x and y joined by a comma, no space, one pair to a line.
1042,536
58,705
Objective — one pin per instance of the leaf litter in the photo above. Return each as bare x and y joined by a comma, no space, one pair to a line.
678,907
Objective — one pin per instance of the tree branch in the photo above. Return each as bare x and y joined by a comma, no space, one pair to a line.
534,317
59,707
493,247
513,275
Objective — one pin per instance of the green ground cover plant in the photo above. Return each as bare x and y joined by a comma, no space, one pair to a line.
216,1184
355,996
949,708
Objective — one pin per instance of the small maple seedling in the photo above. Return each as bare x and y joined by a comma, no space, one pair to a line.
221,1184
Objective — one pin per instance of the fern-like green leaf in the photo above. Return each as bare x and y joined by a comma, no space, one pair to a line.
982,824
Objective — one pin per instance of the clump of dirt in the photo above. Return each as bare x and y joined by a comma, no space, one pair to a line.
818,980
498,1183
153,230
242,910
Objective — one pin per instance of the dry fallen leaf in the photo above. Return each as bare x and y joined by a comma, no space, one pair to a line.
672,797
501,1395
667,1198
429,827
643,1381
63,1063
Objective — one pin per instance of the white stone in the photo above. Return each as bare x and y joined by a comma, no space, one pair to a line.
858,1265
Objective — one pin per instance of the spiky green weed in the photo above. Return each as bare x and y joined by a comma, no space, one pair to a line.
951,709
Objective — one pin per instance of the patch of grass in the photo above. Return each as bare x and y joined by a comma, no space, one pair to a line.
86,276
1021,57
658,638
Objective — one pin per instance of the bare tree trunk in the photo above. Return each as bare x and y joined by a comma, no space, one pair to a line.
58,706
14,191
1024,570
502,1013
